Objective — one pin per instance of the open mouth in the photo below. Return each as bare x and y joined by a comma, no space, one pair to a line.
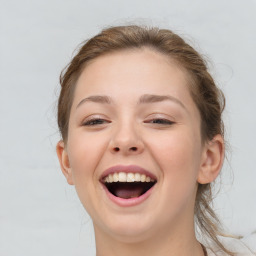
128,185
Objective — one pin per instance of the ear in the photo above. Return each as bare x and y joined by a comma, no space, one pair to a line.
212,160
64,161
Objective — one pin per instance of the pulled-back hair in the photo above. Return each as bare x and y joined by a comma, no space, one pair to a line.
206,95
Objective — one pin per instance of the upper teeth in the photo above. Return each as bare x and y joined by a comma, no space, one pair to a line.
127,177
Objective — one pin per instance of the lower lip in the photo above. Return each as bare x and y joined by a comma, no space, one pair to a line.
130,201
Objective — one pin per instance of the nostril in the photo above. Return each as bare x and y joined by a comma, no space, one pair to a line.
125,149
116,149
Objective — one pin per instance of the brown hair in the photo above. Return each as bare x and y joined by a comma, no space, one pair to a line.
208,98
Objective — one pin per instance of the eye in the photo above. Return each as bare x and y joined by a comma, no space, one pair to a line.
95,122
161,121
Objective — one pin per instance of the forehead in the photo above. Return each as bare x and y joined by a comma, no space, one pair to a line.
136,71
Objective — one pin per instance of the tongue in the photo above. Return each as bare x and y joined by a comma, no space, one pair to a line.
127,192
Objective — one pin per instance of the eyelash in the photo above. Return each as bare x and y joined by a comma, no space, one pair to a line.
99,121
95,121
160,121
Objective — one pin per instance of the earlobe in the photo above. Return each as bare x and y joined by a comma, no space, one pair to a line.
212,160
64,161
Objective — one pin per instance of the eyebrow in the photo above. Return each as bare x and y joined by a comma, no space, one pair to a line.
97,99
152,98
144,99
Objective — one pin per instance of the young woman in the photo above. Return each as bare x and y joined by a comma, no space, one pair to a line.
142,141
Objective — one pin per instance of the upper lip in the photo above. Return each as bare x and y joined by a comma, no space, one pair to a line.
127,169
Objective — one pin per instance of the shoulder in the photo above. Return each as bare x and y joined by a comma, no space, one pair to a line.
211,252
238,247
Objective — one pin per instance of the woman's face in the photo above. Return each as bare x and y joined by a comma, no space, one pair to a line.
133,113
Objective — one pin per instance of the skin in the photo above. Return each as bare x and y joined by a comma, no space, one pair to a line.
162,137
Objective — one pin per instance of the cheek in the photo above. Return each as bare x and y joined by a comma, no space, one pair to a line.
178,156
85,151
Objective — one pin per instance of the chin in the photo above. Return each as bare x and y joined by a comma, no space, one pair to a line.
128,229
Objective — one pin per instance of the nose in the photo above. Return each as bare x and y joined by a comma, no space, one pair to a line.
126,140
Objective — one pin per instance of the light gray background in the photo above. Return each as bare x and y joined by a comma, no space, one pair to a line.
39,213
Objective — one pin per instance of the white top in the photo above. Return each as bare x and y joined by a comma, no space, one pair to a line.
239,248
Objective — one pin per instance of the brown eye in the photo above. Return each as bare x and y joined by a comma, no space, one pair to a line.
161,121
96,121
